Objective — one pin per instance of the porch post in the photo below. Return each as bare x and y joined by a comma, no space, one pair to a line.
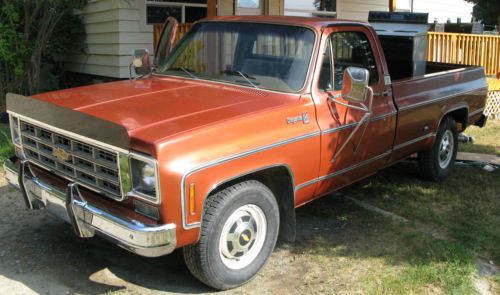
392,5
211,8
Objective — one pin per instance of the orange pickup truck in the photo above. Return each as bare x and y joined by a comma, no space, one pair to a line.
213,146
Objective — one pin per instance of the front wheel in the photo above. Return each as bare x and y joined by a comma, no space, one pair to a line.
437,164
238,234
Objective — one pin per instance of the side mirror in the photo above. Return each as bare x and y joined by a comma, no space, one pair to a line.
355,85
140,62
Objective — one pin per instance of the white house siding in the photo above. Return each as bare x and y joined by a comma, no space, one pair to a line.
358,9
276,7
444,9
225,7
114,29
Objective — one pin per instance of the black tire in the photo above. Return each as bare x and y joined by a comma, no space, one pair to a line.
431,163
205,259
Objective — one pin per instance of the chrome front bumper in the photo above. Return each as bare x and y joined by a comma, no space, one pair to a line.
86,219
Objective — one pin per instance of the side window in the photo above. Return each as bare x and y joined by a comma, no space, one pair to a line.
352,49
325,77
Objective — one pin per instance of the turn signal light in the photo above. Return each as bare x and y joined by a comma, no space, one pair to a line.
192,205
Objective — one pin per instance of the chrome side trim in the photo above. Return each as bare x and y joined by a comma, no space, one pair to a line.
338,128
430,101
344,170
286,166
383,116
415,140
480,110
186,225
354,124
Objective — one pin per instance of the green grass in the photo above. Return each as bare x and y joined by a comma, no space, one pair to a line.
465,206
6,147
463,210
487,139
374,255
496,285
400,258
451,224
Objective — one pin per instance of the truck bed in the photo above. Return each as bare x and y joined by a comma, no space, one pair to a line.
422,101
439,67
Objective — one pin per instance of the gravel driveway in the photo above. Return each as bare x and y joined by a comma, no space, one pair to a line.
39,254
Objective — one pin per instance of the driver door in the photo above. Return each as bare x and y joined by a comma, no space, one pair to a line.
350,148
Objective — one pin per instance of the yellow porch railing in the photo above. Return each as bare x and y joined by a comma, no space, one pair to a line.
182,29
466,49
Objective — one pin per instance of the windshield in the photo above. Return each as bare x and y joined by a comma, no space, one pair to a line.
256,55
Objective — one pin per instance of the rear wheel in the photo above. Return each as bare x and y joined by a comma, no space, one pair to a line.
437,163
238,234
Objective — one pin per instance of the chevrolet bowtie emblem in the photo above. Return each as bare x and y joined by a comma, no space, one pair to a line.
60,154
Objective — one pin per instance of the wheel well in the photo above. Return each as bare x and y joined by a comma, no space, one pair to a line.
461,117
279,179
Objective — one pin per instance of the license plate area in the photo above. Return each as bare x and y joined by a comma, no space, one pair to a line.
50,201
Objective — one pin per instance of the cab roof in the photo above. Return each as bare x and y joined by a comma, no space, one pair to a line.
313,22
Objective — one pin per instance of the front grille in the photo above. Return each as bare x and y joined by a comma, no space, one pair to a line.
86,164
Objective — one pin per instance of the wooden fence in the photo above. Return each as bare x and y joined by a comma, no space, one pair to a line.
466,49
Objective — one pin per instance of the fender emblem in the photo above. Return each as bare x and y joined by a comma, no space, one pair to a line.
304,119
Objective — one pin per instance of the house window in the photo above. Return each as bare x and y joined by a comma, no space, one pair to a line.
249,7
157,11
255,4
324,8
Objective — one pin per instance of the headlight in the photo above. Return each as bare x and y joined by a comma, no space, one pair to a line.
14,130
144,178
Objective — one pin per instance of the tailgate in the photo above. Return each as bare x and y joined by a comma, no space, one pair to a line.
422,102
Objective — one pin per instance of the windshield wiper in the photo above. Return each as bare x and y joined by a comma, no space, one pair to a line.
244,76
187,71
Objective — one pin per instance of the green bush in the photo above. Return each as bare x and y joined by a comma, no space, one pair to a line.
34,36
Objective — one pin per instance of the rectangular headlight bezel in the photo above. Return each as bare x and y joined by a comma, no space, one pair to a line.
127,177
15,130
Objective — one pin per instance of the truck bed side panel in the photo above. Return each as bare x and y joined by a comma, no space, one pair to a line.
423,101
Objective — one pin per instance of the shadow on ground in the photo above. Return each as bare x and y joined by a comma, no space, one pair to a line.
39,253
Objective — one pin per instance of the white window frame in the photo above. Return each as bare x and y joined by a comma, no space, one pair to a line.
315,12
259,4
160,3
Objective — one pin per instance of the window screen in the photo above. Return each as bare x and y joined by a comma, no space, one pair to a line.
158,14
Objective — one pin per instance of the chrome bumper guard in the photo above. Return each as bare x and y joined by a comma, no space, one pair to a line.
86,219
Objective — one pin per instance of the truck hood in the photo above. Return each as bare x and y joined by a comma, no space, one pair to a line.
159,107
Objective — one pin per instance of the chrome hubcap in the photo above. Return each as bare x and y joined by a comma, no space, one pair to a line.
446,149
242,236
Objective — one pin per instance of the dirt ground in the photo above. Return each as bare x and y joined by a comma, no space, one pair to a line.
39,254
340,249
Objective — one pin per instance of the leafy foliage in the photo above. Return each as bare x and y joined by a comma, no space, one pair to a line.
486,10
35,35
